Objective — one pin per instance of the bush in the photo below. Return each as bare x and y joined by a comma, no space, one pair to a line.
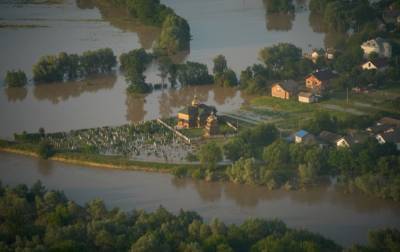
15,79
46,150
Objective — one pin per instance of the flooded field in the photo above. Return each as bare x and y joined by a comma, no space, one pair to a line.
236,28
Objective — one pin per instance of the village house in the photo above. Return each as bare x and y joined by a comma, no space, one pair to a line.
285,89
319,80
307,97
303,136
379,46
392,136
379,64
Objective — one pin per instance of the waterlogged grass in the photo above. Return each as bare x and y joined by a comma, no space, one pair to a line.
20,26
98,159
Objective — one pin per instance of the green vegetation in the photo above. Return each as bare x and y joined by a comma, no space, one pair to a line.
209,155
15,79
175,35
36,219
175,31
193,73
133,64
249,142
341,15
279,6
46,150
20,26
72,66
223,76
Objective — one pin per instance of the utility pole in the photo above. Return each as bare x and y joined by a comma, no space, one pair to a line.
347,95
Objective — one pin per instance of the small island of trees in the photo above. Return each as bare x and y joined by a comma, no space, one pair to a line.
58,68
15,79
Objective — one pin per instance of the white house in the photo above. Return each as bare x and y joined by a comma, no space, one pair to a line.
343,142
379,46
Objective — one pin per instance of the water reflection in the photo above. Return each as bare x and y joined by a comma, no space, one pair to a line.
277,21
119,18
45,167
252,196
59,92
135,108
15,94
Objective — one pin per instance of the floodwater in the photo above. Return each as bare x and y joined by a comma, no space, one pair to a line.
236,28
345,218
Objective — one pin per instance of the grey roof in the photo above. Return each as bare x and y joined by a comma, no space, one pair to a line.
379,63
306,94
392,136
288,85
324,75
389,121
329,136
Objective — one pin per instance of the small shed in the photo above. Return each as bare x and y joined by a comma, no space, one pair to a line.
303,136
307,97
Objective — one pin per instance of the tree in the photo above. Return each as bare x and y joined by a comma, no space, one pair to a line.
209,155
220,65
46,149
16,78
244,171
175,35
276,155
193,73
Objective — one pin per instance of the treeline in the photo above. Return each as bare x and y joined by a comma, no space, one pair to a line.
175,30
35,219
61,67
342,15
261,157
281,61
279,6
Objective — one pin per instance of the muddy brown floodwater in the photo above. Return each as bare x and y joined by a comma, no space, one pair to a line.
345,218
236,28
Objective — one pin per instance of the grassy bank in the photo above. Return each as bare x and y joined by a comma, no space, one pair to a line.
94,160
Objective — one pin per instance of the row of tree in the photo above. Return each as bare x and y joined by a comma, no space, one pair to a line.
73,66
35,219
261,157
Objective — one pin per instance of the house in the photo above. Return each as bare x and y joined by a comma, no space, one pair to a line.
319,80
314,56
195,115
307,97
379,64
329,137
285,89
330,53
344,142
303,136
390,137
379,46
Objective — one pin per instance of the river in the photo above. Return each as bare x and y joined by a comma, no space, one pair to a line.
345,218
